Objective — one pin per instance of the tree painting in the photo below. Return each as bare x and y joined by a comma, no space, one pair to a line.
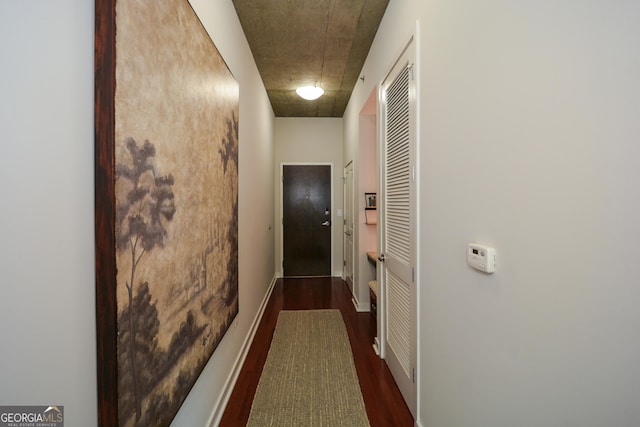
229,150
174,235
141,219
205,290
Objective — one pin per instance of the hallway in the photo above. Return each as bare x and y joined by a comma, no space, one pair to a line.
383,401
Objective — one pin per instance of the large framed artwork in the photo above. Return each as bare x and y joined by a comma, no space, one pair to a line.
166,141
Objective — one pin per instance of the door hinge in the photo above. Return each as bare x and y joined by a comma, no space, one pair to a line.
410,67
413,274
413,173
413,375
344,262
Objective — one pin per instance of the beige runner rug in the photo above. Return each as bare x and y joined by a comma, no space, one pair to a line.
309,377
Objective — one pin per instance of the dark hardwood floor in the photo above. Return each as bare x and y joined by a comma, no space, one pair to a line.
385,406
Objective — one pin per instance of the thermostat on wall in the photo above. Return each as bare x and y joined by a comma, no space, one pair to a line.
481,257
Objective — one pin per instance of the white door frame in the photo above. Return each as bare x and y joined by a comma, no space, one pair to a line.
348,212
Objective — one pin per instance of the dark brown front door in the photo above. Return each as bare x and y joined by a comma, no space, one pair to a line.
306,216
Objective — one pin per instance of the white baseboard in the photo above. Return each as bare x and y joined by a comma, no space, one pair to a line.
221,404
360,307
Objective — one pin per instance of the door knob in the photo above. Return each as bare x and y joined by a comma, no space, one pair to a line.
326,223
381,258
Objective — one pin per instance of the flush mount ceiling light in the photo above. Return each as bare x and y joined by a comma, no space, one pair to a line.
310,92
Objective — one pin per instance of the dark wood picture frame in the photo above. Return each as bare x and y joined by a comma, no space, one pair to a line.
219,302
104,145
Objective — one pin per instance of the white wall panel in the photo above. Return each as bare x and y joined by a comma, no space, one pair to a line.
529,143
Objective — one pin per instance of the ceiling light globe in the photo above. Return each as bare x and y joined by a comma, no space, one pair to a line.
310,92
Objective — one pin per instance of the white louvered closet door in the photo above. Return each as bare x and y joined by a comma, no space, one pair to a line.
398,243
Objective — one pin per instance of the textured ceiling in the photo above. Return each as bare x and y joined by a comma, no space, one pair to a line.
298,42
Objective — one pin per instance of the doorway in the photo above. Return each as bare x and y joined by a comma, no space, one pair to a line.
348,226
306,220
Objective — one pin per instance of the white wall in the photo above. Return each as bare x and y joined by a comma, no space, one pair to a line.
312,140
47,303
47,274
528,121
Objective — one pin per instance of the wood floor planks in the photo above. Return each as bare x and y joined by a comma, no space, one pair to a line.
385,406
